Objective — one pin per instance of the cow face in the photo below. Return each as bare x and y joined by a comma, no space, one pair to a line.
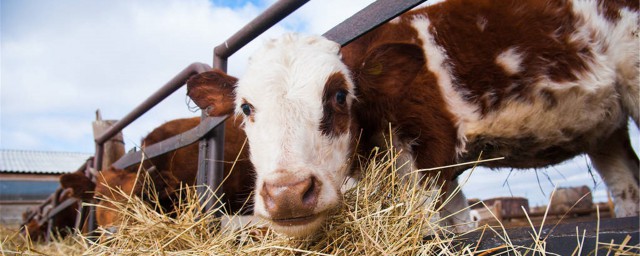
297,99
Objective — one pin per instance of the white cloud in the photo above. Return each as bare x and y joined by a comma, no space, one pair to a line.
78,56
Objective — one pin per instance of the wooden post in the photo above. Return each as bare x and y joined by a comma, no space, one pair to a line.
114,147
109,152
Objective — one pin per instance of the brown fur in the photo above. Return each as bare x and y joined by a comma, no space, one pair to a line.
220,97
336,116
397,94
81,186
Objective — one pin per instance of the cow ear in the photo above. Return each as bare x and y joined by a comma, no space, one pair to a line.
213,91
81,186
389,68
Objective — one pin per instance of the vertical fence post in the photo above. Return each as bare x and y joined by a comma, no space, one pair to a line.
106,153
210,161
113,149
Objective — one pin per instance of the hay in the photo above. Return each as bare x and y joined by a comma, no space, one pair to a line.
382,215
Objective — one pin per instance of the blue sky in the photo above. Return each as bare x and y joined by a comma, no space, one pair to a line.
239,3
61,60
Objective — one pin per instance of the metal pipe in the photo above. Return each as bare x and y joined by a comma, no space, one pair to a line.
178,141
97,159
174,84
369,18
220,63
272,15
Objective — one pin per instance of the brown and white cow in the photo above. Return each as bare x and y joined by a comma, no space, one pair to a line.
537,82
169,170
36,222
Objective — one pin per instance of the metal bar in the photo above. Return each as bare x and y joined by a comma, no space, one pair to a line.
57,209
171,144
174,84
214,167
97,159
369,18
269,17
80,217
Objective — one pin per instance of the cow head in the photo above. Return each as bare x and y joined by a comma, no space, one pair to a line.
79,184
297,99
115,185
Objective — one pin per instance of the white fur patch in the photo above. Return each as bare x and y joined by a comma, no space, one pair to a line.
619,43
436,63
510,61
590,105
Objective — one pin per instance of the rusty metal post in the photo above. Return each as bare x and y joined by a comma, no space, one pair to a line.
210,162
211,167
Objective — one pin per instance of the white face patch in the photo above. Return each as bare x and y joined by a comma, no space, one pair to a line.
284,86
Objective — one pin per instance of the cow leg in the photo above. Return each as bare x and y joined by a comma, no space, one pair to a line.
618,166
456,209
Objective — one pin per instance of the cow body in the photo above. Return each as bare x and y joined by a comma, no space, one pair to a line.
536,82
169,170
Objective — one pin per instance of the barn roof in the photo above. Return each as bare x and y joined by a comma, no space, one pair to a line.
40,162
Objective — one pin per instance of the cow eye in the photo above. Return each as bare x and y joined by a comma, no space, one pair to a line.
246,109
341,97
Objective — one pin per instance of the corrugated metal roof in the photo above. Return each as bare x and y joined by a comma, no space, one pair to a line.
44,162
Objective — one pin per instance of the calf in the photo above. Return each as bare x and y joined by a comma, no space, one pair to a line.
169,170
536,82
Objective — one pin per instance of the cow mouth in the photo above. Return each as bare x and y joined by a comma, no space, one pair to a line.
296,221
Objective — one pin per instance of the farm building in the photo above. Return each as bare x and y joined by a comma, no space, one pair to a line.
28,177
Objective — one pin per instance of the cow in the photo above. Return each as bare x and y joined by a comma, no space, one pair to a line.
536,82
168,171
36,223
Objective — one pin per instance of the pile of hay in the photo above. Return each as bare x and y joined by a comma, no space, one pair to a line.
381,215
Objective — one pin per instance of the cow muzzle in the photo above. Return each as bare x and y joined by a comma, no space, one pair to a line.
291,203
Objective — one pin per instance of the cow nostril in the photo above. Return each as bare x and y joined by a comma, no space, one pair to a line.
310,196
